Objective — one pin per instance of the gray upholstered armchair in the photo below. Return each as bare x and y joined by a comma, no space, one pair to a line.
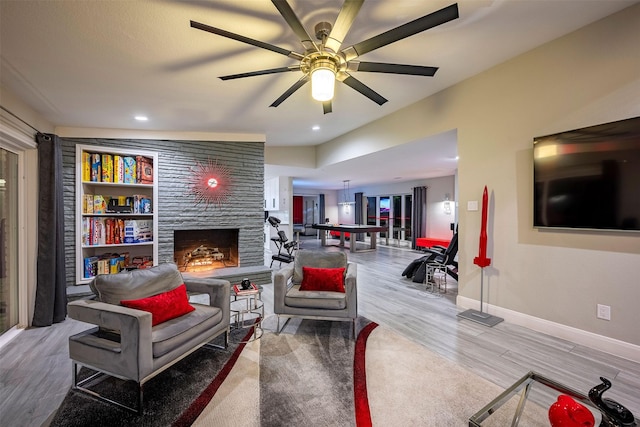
290,301
124,344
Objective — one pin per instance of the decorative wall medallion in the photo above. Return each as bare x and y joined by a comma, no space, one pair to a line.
210,183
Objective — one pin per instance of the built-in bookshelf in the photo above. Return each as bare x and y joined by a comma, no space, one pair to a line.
116,210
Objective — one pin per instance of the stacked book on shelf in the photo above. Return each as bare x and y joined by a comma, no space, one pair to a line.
113,263
115,231
97,167
100,204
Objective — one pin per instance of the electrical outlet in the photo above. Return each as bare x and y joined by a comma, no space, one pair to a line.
604,312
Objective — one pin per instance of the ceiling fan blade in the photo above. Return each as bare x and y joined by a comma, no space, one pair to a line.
350,9
261,72
297,85
326,107
356,84
290,17
416,26
381,67
247,40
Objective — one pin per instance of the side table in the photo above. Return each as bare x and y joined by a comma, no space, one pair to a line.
248,310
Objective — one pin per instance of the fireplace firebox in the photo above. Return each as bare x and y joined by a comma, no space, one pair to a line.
202,250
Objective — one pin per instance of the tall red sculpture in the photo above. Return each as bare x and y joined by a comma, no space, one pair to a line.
481,260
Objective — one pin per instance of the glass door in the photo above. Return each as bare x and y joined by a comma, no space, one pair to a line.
408,209
400,218
396,218
385,208
372,218
8,240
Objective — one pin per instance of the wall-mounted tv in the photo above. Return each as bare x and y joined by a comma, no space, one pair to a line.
588,178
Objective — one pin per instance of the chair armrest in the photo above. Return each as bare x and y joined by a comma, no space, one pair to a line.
218,290
110,316
433,252
281,281
350,287
282,277
351,275
134,327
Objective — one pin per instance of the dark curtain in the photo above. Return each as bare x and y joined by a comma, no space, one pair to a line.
419,215
321,213
360,213
51,289
359,206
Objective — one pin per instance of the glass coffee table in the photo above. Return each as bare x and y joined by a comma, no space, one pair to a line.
546,390
247,308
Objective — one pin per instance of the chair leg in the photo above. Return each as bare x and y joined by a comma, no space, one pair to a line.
445,279
79,386
278,330
224,346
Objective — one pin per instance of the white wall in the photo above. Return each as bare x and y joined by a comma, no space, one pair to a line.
588,77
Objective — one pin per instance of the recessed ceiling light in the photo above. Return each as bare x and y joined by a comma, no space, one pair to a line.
316,127
141,118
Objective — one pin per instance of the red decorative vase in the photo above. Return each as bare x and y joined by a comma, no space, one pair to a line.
566,412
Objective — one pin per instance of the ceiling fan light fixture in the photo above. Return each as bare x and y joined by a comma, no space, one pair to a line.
323,78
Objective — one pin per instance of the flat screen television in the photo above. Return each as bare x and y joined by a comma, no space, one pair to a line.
588,178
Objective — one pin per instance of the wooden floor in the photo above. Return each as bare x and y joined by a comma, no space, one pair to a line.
35,371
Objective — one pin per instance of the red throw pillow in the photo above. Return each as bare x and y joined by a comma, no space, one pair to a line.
164,306
322,279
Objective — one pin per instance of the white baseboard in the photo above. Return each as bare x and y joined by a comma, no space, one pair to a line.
589,339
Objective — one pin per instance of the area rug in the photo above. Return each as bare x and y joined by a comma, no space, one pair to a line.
314,373
303,376
166,396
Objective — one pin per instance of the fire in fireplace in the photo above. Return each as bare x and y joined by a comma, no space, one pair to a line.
201,250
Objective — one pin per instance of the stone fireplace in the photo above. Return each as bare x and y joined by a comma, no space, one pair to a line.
205,250
178,212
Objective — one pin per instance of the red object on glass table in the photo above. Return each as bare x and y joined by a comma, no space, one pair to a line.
427,242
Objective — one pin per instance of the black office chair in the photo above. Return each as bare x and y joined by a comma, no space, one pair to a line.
286,248
441,262
438,256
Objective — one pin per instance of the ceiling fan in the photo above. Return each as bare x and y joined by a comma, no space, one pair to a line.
324,62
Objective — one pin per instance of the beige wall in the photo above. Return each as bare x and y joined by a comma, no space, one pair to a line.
588,77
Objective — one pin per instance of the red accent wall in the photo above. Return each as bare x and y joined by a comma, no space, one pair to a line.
297,210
